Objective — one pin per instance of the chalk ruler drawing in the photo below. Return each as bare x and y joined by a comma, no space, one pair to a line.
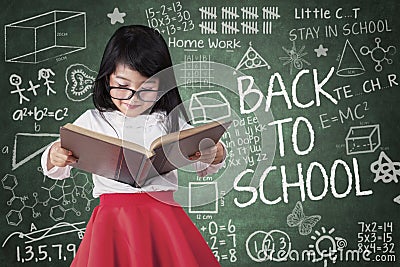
294,58
79,82
379,54
363,139
203,197
251,60
60,228
350,64
303,222
33,145
45,36
209,106
385,169
325,252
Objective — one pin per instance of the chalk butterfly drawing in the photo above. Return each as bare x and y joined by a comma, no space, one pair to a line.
298,218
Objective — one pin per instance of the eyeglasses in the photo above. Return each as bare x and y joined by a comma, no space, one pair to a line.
145,95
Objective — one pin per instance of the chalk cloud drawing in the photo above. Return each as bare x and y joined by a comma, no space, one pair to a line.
274,245
252,60
116,16
295,57
45,36
363,139
385,169
350,64
209,106
303,222
324,237
79,82
379,54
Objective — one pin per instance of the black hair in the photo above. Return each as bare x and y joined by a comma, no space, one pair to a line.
143,49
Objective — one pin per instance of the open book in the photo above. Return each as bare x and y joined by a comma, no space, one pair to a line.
131,163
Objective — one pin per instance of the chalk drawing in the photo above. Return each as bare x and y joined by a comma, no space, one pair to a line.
79,82
303,222
321,51
16,80
45,75
60,228
397,199
379,54
350,64
295,58
327,251
209,106
116,16
30,143
251,60
274,245
200,195
385,169
45,36
363,139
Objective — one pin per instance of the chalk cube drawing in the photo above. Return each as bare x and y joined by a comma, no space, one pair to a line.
209,106
45,36
363,139
203,197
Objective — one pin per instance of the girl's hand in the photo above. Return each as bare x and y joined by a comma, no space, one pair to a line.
59,156
213,155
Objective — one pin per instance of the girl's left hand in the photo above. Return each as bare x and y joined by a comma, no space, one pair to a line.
213,155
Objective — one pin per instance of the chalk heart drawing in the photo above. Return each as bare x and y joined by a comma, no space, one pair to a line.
303,222
80,80
385,169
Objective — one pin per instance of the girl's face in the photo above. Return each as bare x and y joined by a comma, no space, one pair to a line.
128,78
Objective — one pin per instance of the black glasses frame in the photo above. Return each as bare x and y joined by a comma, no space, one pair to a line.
133,92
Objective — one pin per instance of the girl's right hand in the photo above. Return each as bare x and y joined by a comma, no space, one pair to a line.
59,156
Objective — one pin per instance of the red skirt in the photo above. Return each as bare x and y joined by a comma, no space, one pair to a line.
131,230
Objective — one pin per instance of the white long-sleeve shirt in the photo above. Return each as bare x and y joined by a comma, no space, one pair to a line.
143,130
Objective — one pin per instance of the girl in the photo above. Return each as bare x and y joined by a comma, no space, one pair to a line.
133,96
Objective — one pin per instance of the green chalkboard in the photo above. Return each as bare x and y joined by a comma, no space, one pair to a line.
313,158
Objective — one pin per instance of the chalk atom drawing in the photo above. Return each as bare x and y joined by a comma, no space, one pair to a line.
379,54
385,169
363,139
48,35
251,60
79,82
350,64
303,222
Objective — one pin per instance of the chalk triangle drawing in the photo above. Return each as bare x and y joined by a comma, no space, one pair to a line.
350,64
252,60
397,199
28,146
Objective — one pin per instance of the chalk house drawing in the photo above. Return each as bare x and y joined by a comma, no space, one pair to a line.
45,36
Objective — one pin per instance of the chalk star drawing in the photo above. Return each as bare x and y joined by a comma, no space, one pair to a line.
385,169
378,54
252,60
295,58
337,244
321,51
298,218
116,16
